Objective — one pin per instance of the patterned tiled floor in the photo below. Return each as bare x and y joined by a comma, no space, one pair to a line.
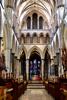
36,94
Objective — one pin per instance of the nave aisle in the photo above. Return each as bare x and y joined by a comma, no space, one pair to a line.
36,94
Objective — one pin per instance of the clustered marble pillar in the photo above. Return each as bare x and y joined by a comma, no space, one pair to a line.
42,68
7,60
17,68
8,63
27,69
60,70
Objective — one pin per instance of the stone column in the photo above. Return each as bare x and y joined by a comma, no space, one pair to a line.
15,63
49,69
27,69
55,64
42,68
0,42
60,68
17,68
52,66
31,23
38,23
7,60
12,62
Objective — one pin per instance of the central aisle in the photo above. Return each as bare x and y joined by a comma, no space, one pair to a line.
36,94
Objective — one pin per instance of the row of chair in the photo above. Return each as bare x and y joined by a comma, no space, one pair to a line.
58,89
12,89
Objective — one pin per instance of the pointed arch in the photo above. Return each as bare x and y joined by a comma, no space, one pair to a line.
28,22
34,16
44,51
24,49
41,36
40,22
35,48
28,38
22,40
35,38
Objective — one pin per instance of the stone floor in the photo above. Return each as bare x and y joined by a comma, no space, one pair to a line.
36,94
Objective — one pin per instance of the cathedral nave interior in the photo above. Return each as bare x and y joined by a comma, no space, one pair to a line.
33,49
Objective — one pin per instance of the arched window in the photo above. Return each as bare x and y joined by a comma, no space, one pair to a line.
41,38
28,38
47,38
40,22
28,23
34,38
22,39
34,22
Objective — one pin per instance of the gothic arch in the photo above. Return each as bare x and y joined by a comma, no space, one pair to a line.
22,40
34,17
28,22
41,36
28,38
35,38
44,51
31,10
24,49
40,22
34,48
47,38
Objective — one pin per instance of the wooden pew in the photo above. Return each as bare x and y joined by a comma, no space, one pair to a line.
63,89
2,93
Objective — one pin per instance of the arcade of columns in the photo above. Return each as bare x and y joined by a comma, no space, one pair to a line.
12,47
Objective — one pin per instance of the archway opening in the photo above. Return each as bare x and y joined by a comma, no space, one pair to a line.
35,38
34,21
47,65
40,22
28,22
35,66
28,38
23,65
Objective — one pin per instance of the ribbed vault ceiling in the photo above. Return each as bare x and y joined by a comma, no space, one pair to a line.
46,7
